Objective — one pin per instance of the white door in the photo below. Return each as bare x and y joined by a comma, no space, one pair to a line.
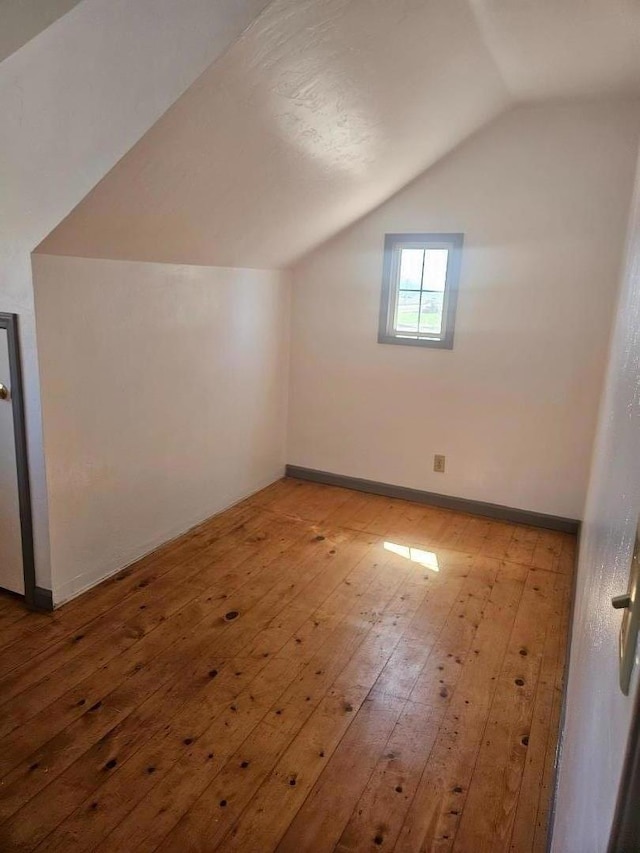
11,569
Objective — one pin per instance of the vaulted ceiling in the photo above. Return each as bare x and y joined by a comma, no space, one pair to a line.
563,48
325,108
21,20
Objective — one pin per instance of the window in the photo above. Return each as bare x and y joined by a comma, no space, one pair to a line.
420,289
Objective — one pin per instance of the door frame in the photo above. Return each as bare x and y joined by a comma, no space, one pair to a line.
10,323
625,830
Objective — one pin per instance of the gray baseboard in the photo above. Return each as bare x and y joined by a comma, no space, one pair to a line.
503,513
42,599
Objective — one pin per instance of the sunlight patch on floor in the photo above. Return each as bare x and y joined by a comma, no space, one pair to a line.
424,558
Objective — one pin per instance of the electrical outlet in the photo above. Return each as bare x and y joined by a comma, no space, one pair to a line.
438,463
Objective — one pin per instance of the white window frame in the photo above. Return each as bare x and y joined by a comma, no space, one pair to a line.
393,245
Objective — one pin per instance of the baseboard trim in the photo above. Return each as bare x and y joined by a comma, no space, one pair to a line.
503,513
42,599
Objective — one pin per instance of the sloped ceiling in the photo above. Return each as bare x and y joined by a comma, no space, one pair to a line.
76,97
563,48
325,108
21,20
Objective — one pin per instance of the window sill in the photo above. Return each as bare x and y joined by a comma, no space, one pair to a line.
442,343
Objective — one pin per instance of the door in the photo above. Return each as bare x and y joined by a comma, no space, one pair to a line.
16,548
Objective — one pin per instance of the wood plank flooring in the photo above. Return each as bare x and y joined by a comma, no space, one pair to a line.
315,669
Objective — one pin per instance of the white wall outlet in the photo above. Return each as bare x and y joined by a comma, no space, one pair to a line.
438,463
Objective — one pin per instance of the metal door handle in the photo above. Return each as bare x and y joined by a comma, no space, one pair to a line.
4,392
629,603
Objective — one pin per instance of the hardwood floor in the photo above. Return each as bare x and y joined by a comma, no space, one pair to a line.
313,670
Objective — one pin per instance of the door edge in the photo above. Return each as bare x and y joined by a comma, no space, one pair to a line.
10,323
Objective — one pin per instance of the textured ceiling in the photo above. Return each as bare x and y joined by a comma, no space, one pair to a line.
325,108
21,20
563,48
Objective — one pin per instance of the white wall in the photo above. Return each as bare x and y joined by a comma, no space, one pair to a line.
164,401
598,715
542,196
72,102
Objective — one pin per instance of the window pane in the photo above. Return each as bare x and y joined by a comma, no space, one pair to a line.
431,313
410,269
435,269
407,309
